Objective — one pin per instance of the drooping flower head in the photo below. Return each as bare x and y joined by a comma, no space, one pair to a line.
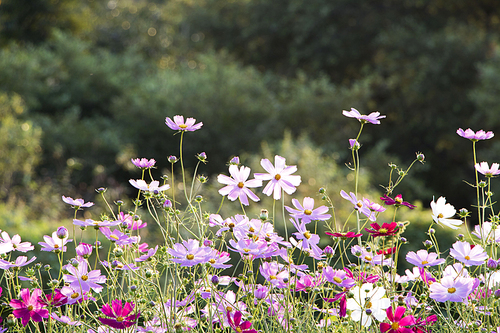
475,136
119,315
237,185
280,177
397,201
372,118
178,124
484,168
442,211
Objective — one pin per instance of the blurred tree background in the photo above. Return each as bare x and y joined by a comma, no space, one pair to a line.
86,85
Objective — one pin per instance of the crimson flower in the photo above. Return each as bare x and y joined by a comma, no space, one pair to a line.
398,323
397,201
344,235
387,229
29,307
120,317
236,323
54,299
422,324
387,252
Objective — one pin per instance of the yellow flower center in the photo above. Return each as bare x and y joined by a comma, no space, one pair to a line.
277,177
272,277
212,261
337,279
425,262
383,230
251,229
30,307
115,237
368,305
467,258
307,234
451,290
241,185
440,216
359,204
119,319
183,126
308,212
74,295
399,200
246,250
394,326
190,257
368,258
85,277
231,225
239,330
56,246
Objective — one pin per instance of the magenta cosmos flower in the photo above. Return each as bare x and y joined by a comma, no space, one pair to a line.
237,324
398,323
468,255
279,176
387,229
238,186
120,316
484,168
143,163
306,212
178,124
397,201
371,118
29,307
344,235
423,259
77,203
479,135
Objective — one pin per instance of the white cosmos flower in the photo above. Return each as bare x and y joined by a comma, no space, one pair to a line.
152,187
442,211
368,302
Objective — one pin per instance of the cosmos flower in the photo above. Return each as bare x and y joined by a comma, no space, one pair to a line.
79,278
237,185
237,324
84,250
8,244
151,187
397,201
487,232
359,205
20,262
95,224
338,277
189,253
423,259
371,118
77,203
398,323
306,212
475,136
451,289
280,177
143,163
178,124
484,168
65,320
442,211
344,235
119,315
118,237
387,229
368,302
149,254
54,243
468,255
28,307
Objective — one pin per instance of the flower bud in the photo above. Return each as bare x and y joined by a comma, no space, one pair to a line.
492,264
100,190
460,237
198,198
62,233
368,311
172,159
73,262
354,144
329,251
482,184
322,190
202,157
497,293
431,231
119,203
264,214
420,157
428,244
118,252
234,161
11,320
203,179
392,166
207,242
167,204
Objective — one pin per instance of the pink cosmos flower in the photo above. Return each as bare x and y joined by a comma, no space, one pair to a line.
373,206
398,323
479,135
178,124
79,277
77,203
120,316
65,319
338,277
359,205
280,177
423,259
84,250
144,257
238,186
306,212
95,224
451,289
118,237
54,243
151,187
189,253
7,244
397,201
306,239
486,170
131,222
344,235
275,273
371,118
55,299
468,255
28,307
20,262
143,163
237,325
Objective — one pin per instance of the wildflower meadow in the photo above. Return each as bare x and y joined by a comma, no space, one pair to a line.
264,272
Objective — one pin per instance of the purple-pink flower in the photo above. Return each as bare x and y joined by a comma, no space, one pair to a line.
484,168
371,118
119,315
28,307
423,259
237,324
77,203
118,237
178,124
397,324
280,177
475,136
54,243
20,262
143,163
451,289
151,187
8,244
467,254
359,205
189,253
397,201
306,212
79,277
237,185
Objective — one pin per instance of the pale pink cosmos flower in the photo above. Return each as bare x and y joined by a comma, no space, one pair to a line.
468,255
359,205
80,279
8,244
280,177
143,163
371,118
151,187
54,243
451,289
237,185
423,259
189,253
77,203
306,212
484,168
475,136
65,320
180,125
20,262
